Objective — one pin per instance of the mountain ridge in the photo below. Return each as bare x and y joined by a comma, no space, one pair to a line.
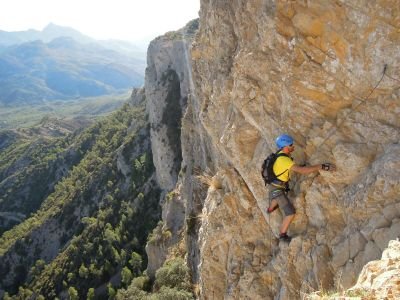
52,31
64,69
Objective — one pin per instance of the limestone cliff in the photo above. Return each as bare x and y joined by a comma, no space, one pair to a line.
307,68
167,85
380,278
315,70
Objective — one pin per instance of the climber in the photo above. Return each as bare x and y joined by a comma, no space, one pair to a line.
284,166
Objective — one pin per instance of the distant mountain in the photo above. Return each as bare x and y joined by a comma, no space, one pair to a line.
49,33
53,31
63,68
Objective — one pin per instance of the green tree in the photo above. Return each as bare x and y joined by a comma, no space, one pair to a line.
73,293
70,276
173,274
126,276
24,293
7,296
90,294
83,271
132,293
167,293
136,262
111,291
123,256
141,282
37,268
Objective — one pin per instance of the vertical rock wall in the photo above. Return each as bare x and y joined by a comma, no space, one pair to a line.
379,279
307,68
168,84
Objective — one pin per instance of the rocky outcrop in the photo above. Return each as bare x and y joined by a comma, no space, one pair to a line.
167,238
167,86
235,244
325,72
380,279
315,70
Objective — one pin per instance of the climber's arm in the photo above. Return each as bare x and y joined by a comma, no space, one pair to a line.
311,169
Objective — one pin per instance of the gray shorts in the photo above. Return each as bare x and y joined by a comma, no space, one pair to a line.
284,203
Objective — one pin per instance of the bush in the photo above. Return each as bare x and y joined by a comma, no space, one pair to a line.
90,294
126,276
73,293
131,293
111,291
136,262
174,274
142,283
167,293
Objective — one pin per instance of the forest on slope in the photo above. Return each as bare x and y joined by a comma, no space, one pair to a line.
84,206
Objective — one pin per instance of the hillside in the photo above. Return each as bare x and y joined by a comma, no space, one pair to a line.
32,161
81,109
36,72
95,183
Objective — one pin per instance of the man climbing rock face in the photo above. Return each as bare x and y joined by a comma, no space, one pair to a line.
282,168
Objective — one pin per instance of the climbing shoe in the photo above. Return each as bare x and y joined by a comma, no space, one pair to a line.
269,210
284,237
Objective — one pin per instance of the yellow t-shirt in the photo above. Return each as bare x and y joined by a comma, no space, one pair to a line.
282,164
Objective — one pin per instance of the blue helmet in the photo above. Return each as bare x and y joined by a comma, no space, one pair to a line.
283,140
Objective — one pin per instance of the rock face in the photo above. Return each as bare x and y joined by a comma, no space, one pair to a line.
381,278
167,86
327,73
261,68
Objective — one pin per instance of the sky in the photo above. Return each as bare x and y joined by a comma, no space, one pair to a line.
132,20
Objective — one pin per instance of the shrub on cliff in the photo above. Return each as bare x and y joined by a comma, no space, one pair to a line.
172,282
174,274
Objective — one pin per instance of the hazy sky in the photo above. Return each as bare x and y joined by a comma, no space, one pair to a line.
100,19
